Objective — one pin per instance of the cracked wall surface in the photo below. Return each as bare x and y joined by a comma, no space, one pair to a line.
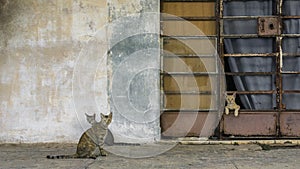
40,42
134,61
50,74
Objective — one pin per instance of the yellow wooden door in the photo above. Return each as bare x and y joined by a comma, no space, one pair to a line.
188,63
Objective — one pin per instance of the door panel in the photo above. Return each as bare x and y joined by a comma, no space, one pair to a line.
250,124
186,86
290,124
174,124
183,28
190,46
189,9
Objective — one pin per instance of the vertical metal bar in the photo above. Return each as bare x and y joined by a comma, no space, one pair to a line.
218,67
279,90
220,39
221,29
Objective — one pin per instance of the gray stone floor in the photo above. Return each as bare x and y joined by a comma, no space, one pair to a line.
181,156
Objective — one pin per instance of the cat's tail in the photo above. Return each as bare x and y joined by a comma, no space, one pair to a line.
62,156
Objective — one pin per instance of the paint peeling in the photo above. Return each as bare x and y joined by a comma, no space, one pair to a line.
40,42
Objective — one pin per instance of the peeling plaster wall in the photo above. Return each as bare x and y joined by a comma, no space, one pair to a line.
52,72
134,61
40,44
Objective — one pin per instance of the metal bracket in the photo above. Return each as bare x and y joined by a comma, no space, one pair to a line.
268,26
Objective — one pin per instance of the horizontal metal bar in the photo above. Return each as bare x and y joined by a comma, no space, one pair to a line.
243,17
291,35
290,72
188,1
242,111
257,36
259,54
252,92
291,17
254,111
260,16
291,54
189,93
189,56
291,91
189,37
239,35
251,55
241,0
264,92
188,73
249,73
296,111
181,18
189,110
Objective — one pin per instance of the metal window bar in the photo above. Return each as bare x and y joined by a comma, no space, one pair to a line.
279,54
220,36
212,37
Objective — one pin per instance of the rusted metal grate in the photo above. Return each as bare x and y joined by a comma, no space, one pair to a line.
277,121
267,27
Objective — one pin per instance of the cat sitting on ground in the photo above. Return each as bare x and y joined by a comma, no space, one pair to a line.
231,105
91,139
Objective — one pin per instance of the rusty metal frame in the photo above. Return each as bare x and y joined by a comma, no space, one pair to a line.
278,55
220,36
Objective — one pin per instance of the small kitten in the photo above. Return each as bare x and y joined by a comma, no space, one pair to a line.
91,139
231,105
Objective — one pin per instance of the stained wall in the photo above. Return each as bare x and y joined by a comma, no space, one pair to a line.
49,77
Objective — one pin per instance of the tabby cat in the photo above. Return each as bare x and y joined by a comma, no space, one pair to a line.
231,105
91,139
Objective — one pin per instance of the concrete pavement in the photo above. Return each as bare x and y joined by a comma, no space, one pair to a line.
248,156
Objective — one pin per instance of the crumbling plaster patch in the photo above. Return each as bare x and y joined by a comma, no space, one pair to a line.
40,42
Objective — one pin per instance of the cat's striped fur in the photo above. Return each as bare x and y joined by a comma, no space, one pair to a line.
91,140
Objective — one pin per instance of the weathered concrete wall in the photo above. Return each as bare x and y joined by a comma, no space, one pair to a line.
134,61
40,44
54,68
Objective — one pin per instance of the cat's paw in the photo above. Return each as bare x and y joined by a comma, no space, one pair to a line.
104,154
226,111
93,157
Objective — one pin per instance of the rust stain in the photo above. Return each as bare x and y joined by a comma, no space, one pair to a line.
290,124
183,124
250,124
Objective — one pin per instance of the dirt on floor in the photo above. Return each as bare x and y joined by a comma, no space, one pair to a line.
249,156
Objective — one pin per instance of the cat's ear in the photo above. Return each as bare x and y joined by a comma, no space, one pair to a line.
91,118
234,94
110,115
102,115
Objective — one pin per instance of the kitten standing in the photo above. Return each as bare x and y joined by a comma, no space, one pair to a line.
91,139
